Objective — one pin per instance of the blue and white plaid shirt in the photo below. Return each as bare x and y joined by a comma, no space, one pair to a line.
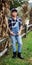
12,22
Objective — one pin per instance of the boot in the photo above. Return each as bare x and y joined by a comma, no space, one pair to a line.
14,55
20,56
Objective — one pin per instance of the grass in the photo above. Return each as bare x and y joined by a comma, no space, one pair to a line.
26,51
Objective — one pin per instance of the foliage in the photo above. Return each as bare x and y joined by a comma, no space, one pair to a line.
16,3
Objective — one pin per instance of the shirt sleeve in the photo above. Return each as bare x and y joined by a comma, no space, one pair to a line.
9,22
20,22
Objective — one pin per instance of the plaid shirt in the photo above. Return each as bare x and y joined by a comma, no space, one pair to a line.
12,22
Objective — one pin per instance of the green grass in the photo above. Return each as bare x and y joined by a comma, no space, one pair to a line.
26,51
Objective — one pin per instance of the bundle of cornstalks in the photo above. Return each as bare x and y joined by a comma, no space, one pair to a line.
3,33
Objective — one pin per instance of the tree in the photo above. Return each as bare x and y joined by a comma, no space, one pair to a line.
16,3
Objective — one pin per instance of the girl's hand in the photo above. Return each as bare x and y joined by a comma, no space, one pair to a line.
19,33
11,33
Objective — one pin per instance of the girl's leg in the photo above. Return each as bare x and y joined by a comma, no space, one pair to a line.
19,39
13,43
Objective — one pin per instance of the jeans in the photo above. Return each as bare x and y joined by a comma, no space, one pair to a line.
19,40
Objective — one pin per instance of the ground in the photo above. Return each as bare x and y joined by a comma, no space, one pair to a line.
26,51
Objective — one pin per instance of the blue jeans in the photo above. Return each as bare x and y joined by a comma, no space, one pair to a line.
19,40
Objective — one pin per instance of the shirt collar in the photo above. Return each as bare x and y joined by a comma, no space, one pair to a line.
14,20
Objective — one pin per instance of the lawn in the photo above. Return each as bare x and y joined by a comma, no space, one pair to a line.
26,51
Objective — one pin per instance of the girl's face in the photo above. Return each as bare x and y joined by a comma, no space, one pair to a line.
14,14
